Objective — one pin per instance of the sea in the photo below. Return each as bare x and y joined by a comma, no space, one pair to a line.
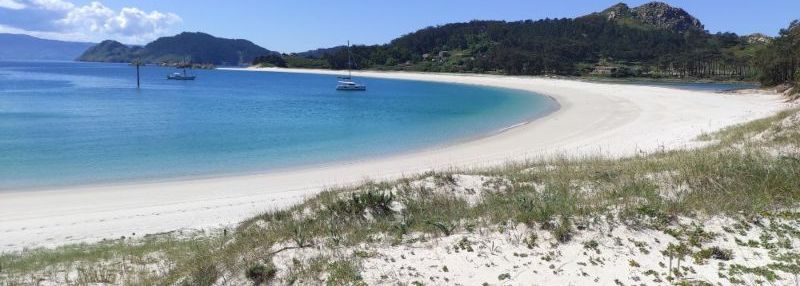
70,123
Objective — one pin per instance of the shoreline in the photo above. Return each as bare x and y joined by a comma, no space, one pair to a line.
554,106
292,168
593,119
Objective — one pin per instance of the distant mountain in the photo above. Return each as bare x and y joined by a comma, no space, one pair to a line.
654,14
24,47
196,47
109,51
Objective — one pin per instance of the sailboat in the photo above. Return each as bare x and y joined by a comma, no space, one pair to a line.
346,82
181,76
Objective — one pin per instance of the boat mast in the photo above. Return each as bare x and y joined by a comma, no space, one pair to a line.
349,61
185,63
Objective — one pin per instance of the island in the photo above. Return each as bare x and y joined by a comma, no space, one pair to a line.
184,48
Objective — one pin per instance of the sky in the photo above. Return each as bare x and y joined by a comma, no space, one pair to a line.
299,25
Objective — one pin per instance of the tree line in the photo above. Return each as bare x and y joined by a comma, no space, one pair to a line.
779,62
581,46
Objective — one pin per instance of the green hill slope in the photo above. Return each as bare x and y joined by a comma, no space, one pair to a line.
195,47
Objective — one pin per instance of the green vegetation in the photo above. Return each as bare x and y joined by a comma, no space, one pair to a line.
260,273
109,51
272,60
780,62
195,48
713,253
733,176
294,61
652,40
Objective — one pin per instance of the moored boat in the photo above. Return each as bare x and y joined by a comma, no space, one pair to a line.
180,76
346,83
350,85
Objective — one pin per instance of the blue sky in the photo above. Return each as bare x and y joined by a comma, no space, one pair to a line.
291,26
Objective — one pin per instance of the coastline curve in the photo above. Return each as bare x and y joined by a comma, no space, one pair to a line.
593,119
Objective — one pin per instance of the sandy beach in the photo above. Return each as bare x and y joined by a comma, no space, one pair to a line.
594,119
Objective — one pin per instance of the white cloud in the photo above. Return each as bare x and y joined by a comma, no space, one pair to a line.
64,20
54,5
11,4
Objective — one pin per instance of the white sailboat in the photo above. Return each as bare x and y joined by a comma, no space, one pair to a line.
181,76
346,82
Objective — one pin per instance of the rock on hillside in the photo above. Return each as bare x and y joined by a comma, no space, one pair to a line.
656,14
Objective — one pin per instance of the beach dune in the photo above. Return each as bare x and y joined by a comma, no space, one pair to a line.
593,119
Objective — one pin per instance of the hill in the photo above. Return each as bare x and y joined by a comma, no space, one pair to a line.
109,51
24,47
653,40
195,47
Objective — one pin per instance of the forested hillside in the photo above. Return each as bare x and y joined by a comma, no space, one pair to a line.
779,62
652,40
196,48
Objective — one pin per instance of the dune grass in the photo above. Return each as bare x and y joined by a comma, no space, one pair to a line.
734,175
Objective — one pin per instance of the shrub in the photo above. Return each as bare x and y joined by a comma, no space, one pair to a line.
260,273
563,232
203,270
714,252
204,274
796,88
504,276
530,241
797,78
446,228
300,235
270,60
592,245
444,179
376,201
343,273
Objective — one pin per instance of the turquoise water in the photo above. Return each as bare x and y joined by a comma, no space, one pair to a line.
85,123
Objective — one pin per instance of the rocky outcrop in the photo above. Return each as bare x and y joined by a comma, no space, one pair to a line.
655,14
758,38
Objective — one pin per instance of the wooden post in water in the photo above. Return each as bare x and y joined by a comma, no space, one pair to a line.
137,75
137,62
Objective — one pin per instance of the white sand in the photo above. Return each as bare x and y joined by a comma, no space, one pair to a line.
608,119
